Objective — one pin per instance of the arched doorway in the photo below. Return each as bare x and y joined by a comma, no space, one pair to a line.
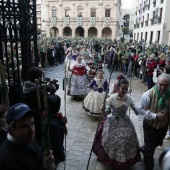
67,32
54,32
92,32
79,32
107,32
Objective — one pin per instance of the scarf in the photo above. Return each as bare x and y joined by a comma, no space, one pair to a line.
162,98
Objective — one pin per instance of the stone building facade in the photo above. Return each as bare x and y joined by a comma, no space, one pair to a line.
85,18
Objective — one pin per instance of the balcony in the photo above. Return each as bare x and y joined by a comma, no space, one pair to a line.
159,20
154,3
146,23
152,21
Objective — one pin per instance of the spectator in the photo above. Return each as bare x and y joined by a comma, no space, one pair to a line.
19,151
42,56
151,64
57,128
156,103
30,98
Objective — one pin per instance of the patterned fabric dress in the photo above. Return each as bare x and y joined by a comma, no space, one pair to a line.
116,144
94,100
78,81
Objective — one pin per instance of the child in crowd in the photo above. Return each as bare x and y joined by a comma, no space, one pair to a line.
57,128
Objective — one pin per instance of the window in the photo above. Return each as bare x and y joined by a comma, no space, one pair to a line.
80,11
107,12
38,14
151,37
54,12
67,12
38,7
146,34
158,36
134,36
137,37
93,13
162,1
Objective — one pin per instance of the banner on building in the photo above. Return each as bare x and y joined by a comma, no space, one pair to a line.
93,20
107,20
66,21
54,21
79,21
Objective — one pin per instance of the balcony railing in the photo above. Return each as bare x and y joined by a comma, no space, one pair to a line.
159,20
152,21
146,23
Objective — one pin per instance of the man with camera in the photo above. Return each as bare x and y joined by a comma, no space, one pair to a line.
30,98
155,101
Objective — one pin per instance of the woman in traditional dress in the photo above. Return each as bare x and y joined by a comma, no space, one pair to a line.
93,101
113,88
116,144
78,79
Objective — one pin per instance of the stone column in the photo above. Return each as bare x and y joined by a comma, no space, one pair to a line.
47,20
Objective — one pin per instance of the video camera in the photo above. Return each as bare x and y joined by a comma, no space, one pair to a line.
52,85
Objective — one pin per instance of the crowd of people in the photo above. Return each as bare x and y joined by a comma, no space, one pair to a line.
22,140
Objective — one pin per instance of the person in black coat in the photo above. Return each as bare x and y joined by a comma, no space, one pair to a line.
19,151
30,98
57,128
42,56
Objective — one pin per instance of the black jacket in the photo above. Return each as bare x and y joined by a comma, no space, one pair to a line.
30,98
17,157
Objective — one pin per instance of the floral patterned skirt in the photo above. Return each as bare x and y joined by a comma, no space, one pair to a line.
117,145
78,85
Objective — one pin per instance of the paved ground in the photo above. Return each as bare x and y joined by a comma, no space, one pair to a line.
82,127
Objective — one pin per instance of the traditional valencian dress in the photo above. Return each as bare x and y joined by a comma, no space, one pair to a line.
116,144
94,100
78,80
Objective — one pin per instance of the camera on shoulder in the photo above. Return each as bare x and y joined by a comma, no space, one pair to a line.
52,85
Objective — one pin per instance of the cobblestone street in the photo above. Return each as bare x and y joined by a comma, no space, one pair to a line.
82,127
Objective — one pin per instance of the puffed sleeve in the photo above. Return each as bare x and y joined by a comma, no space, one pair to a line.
108,105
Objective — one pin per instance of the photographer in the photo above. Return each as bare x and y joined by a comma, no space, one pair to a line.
30,98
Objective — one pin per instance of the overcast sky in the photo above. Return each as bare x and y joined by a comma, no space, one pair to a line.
127,4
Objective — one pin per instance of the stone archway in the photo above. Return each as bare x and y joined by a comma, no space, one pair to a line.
107,32
79,32
92,32
67,32
54,32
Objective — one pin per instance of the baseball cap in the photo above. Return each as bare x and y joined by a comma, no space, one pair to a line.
17,111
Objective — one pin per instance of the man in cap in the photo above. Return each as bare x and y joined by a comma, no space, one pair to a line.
19,151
